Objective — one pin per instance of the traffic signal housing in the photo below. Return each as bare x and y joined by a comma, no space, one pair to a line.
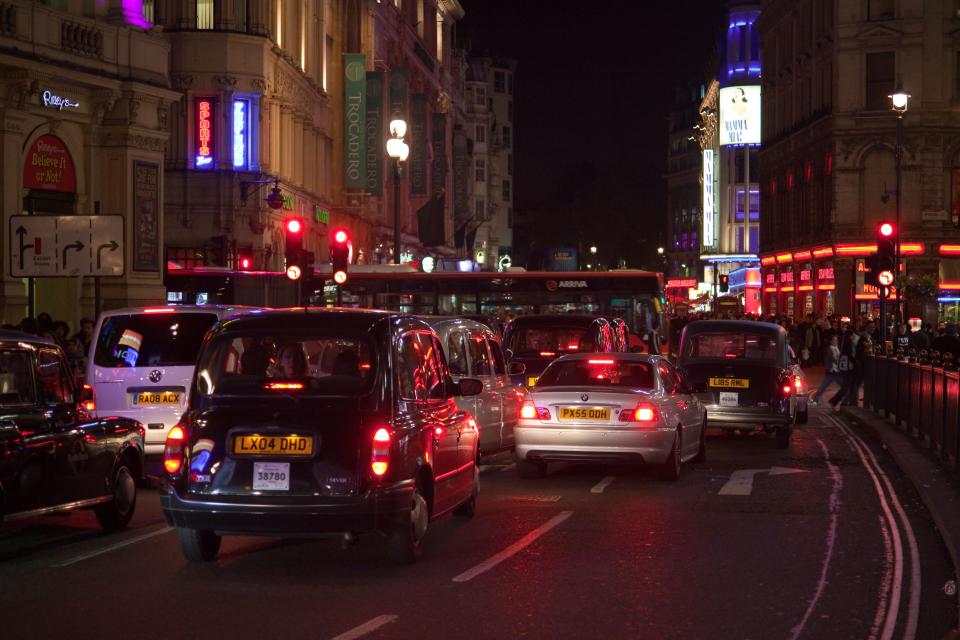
244,260
881,267
724,283
293,229
341,252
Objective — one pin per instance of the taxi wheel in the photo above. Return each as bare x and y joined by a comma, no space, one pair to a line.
404,541
527,469
783,436
117,513
199,546
670,470
469,508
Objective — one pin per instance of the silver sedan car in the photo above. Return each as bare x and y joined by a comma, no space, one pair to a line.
610,408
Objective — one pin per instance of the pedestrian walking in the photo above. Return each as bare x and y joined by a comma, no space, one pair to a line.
831,366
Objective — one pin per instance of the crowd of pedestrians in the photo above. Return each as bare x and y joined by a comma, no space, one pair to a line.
75,345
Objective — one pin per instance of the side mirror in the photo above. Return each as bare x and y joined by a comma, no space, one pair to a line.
467,387
517,369
509,353
86,393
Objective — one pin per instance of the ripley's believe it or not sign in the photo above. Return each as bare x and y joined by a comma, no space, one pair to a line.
740,115
48,166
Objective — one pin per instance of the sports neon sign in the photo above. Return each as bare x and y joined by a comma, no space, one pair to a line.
240,133
205,133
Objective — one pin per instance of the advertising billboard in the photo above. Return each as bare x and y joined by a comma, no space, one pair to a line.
740,115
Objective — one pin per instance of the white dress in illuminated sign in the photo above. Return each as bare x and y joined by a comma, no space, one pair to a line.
740,115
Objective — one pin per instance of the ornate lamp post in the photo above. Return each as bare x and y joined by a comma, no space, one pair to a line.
899,101
398,150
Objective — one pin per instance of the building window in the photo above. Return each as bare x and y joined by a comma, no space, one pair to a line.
480,96
480,212
327,61
480,170
880,80
481,132
506,137
241,15
149,11
880,10
509,164
499,82
505,189
204,14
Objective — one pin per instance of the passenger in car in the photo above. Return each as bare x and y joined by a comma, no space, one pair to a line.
291,362
347,363
254,361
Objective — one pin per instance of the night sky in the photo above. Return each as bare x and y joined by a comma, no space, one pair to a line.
595,83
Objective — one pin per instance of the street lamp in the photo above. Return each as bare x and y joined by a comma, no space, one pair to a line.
659,251
398,150
899,100
593,249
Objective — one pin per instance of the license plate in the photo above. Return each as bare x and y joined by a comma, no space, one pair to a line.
271,476
584,413
730,383
156,397
273,445
729,399
532,380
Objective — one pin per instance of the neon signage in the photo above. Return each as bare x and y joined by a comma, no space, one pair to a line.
708,195
54,101
240,133
205,133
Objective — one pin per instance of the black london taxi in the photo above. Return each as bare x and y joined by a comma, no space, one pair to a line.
743,370
54,456
320,422
536,341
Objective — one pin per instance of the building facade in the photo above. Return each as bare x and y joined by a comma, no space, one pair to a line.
84,103
828,165
489,124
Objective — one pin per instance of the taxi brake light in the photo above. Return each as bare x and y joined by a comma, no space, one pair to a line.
380,452
173,450
160,310
284,386
607,361
787,389
547,354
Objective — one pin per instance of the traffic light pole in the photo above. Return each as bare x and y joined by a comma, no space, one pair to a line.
883,318
898,277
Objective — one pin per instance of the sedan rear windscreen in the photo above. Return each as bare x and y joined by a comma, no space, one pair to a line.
535,341
748,346
151,339
16,378
600,372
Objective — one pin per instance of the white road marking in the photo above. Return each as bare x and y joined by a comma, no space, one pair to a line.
603,484
513,549
913,606
113,547
837,478
527,499
367,627
510,467
741,481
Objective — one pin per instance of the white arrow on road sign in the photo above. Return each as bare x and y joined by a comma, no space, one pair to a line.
741,481
56,246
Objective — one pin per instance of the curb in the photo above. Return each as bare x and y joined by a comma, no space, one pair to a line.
928,478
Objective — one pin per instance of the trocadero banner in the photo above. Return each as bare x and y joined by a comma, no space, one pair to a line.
354,114
374,133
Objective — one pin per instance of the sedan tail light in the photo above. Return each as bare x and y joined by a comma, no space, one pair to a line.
530,410
798,384
644,412
173,450
380,452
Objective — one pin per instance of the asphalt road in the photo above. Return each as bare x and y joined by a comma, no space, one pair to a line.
833,544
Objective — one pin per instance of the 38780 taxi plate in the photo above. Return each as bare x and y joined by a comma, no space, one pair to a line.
730,383
273,445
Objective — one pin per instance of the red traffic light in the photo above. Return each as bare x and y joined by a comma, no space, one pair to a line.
294,225
245,263
886,229
340,236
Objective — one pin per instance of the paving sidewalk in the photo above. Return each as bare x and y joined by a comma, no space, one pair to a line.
939,488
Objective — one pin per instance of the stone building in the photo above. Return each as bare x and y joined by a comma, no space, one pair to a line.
828,170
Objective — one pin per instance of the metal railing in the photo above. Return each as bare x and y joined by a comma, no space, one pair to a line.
921,393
